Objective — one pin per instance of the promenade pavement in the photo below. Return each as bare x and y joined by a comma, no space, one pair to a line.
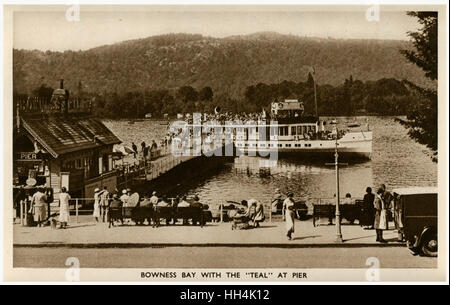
87,233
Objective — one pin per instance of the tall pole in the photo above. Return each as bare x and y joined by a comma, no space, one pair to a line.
338,214
336,167
315,91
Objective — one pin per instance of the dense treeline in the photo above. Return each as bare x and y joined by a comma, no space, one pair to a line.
227,65
383,97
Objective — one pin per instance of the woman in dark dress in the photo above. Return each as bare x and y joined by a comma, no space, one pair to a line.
368,210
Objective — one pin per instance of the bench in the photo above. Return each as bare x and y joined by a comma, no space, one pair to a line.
301,209
350,212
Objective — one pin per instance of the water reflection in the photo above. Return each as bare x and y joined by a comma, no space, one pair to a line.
397,161
248,177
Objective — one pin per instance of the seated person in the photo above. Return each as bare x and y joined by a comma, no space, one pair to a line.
146,205
116,205
162,203
197,204
145,202
154,199
124,198
184,204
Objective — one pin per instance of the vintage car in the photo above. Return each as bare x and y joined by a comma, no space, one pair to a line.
415,213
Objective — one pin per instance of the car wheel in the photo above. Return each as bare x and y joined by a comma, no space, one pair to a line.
430,244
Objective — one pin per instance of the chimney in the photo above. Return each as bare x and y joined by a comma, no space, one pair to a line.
61,84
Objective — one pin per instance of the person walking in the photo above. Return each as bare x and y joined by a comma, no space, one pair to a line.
368,210
134,147
381,221
288,215
96,213
39,204
104,203
64,213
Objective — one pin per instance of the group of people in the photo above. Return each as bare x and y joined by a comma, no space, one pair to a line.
376,210
228,117
250,217
145,149
104,201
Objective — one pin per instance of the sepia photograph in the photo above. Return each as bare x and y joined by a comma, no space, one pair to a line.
226,142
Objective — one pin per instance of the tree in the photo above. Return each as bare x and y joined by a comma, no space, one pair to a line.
425,43
187,93
206,94
422,118
43,91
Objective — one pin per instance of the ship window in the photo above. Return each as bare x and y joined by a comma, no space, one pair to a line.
263,145
279,145
293,130
283,131
299,130
304,129
288,145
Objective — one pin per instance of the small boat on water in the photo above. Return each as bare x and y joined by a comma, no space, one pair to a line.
353,125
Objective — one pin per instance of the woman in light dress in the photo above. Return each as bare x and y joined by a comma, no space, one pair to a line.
96,204
288,214
64,213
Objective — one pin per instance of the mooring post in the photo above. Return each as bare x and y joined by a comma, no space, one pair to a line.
76,210
22,202
270,211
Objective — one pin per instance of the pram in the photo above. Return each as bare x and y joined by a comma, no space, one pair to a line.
238,220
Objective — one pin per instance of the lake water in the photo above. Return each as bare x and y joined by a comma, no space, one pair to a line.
397,161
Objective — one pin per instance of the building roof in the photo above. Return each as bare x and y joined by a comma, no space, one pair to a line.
415,190
62,135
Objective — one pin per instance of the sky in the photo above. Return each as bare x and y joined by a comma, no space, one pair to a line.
49,29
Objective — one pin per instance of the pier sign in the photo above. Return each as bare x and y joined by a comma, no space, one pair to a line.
27,156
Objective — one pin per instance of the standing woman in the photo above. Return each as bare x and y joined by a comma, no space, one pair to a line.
96,204
259,213
64,213
288,214
368,210
381,222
